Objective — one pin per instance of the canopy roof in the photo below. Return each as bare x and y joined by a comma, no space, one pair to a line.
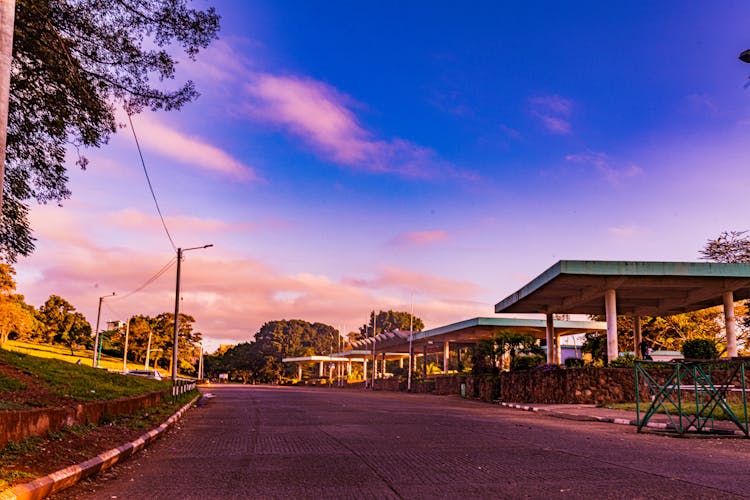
643,288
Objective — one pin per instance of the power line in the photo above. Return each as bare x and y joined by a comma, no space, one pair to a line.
153,278
151,188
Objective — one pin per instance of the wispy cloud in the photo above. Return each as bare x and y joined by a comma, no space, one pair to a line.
624,231
553,112
419,238
323,119
135,220
156,136
612,170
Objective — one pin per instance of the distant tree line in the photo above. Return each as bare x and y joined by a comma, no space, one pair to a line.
259,361
57,322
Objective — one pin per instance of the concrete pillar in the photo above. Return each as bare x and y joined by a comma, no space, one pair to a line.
384,367
731,324
637,336
610,305
558,349
364,371
401,363
320,369
299,371
348,368
446,356
550,339
424,362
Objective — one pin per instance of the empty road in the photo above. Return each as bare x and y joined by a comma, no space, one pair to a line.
285,442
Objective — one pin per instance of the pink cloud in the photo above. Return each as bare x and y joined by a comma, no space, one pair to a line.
321,116
552,111
422,284
419,238
156,136
613,171
135,220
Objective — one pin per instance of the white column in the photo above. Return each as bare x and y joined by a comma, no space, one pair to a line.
364,371
348,368
558,349
550,339
610,305
320,369
637,337
401,363
731,324
299,371
446,355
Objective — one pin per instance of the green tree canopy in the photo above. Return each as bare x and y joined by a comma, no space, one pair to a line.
388,321
60,323
73,63
15,315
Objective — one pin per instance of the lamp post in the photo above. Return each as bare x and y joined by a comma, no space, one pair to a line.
180,251
95,361
411,341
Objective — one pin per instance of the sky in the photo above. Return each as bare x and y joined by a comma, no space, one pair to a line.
351,156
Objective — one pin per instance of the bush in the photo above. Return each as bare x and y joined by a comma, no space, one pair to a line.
574,363
526,362
547,367
700,349
625,361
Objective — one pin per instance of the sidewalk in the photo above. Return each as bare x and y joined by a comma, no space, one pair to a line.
595,413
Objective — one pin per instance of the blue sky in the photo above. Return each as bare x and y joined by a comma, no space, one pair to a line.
344,155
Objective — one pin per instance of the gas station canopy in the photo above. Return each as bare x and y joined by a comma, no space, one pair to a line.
643,288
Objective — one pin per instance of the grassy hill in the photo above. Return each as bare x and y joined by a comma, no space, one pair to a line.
33,375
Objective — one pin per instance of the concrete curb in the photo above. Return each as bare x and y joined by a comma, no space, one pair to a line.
67,477
592,418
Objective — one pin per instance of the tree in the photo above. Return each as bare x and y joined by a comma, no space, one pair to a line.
388,321
15,315
729,247
60,323
73,63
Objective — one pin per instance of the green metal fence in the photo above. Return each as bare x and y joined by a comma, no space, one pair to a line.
693,394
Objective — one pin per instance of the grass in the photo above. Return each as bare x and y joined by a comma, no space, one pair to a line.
63,353
80,382
688,409
9,477
9,384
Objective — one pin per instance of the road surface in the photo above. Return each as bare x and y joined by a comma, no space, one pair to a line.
288,442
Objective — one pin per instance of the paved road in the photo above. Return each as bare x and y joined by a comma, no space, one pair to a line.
277,442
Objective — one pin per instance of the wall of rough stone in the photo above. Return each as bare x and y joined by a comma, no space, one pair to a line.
16,425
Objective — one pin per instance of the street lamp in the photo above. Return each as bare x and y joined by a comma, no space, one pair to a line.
180,251
95,361
745,56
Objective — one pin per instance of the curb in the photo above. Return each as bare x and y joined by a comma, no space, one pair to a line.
591,418
67,477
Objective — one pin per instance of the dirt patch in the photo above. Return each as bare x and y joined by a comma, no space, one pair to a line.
34,395
36,457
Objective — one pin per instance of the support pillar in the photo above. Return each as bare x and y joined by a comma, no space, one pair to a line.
383,366
731,324
610,305
446,356
364,371
348,369
401,363
320,369
637,337
424,362
550,339
558,349
299,371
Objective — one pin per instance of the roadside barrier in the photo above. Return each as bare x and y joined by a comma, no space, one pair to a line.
181,386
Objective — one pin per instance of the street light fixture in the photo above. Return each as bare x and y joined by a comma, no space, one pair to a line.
180,251
745,56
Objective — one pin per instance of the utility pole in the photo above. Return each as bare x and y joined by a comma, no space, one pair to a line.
200,364
95,361
411,341
7,21
148,347
374,366
175,347
125,351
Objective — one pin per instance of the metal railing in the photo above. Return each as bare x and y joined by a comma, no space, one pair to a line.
692,394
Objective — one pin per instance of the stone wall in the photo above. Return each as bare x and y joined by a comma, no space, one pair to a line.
16,425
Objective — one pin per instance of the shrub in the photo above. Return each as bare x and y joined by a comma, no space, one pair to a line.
700,349
547,367
526,362
574,363
625,361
